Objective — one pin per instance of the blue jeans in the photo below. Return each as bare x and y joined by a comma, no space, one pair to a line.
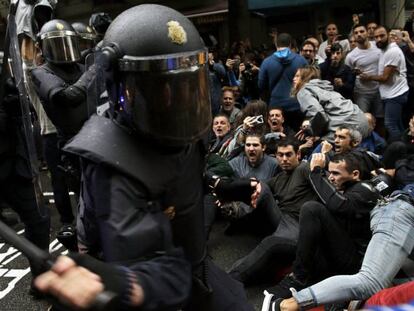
393,116
392,241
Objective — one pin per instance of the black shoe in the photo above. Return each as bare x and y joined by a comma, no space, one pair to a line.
67,236
282,290
270,303
9,218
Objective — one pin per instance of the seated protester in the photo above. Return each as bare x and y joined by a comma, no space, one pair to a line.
276,123
227,105
319,101
283,195
251,119
388,251
222,133
252,163
373,142
348,139
276,129
334,234
335,71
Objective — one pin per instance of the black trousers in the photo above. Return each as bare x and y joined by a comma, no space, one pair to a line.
324,246
18,192
58,178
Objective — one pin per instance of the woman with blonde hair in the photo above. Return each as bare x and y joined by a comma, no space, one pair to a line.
323,106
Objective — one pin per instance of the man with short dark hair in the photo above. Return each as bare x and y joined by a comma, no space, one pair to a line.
393,86
308,51
339,74
276,76
254,162
364,59
371,26
334,234
284,194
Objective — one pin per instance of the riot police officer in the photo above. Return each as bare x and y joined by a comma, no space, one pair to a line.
16,179
61,85
147,156
61,82
87,39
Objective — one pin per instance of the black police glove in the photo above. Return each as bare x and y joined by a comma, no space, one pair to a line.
86,78
237,190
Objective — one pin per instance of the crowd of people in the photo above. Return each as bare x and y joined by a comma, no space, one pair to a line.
334,117
310,149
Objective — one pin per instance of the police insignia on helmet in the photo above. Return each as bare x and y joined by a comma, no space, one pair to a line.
176,32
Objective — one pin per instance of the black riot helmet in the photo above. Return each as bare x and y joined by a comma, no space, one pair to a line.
161,73
87,36
100,23
59,42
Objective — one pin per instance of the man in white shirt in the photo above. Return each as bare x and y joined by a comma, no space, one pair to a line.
392,76
364,59
332,34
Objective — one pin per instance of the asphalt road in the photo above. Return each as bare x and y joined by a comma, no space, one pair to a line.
15,274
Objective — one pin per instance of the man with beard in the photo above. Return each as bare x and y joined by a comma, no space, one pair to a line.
364,58
283,195
253,163
393,86
339,74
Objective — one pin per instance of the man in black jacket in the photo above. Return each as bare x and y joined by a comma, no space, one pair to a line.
339,74
334,234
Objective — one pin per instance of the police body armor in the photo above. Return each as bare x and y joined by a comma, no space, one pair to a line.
51,79
167,178
156,73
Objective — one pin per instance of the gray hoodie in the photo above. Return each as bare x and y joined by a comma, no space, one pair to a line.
319,96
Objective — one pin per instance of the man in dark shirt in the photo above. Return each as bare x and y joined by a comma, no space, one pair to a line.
334,234
339,74
282,195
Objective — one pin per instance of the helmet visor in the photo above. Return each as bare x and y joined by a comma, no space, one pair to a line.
167,99
61,47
